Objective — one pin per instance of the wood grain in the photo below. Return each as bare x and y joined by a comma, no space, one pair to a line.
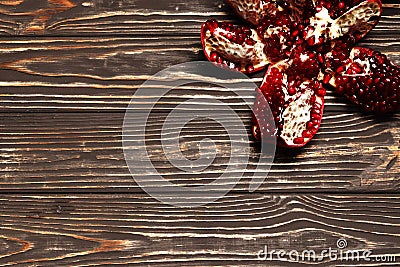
54,73
120,17
99,17
93,74
68,70
114,230
83,152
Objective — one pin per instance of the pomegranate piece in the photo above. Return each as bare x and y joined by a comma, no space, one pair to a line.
305,9
245,49
278,33
254,11
236,47
297,104
367,78
335,19
337,8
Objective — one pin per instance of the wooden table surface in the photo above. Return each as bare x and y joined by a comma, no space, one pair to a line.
68,69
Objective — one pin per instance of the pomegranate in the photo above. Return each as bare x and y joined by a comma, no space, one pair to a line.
246,49
367,78
296,102
236,47
308,45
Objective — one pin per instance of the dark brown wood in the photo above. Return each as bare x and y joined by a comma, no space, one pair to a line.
83,152
102,74
142,17
108,230
68,70
99,17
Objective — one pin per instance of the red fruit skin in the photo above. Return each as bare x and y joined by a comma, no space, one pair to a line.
367,78
296,103
265,119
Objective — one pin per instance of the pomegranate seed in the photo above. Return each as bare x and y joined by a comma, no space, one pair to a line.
307,134
327,78
340,69
213,56
320,58
298,140
292,90
321,92
369,81
249,68
316,116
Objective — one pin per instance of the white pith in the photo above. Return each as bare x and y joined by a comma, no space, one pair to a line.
296,116
282,66
322,22
364,64
304,57
285,87
358,17
254,11
239,53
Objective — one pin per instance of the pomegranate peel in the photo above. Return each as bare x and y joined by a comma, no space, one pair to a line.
296,102
254,11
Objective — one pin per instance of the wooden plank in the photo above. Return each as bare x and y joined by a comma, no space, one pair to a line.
61,70
86,74
114,230
82,152
100,17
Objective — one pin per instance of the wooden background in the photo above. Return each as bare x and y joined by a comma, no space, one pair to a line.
68,69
